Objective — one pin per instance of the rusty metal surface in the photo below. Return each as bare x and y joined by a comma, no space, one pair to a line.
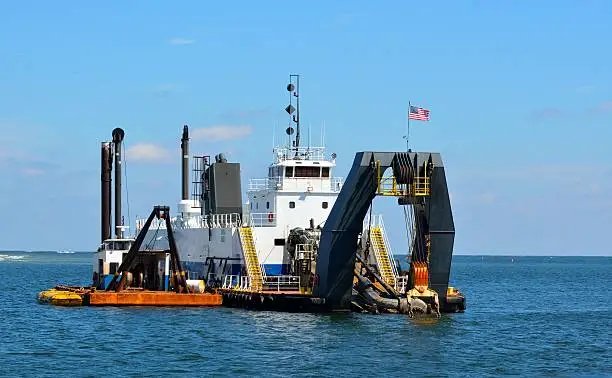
153,298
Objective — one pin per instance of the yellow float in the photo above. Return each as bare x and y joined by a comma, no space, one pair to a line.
60,297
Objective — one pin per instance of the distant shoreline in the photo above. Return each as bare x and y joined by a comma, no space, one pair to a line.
396,255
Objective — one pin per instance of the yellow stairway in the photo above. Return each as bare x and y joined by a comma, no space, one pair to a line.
382,256
250,257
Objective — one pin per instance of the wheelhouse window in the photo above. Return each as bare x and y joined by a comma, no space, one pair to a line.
292,205
325,172
275,171
288,171
307,172
122,245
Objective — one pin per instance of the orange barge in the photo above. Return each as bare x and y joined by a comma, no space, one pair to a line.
124,290
152,298
78,296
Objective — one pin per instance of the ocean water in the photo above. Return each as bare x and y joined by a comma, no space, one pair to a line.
526,316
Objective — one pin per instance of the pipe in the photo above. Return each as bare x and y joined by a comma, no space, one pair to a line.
365,288
107,163
118,135
392,292
185,170
407,305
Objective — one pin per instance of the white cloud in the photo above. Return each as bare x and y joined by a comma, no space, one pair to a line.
181,41
147,153
221,132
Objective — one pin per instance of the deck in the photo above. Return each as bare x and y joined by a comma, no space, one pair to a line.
153,298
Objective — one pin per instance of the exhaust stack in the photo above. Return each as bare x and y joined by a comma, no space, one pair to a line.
185,170
118,135
107,163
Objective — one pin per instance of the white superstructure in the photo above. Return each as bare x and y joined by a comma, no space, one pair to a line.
299,190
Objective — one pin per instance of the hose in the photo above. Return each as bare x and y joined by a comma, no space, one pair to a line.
365,288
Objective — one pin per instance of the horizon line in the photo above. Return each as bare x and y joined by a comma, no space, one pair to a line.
398,254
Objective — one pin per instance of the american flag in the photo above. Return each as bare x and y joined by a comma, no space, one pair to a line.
417,113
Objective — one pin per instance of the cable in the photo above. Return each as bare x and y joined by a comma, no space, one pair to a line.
408,223
369,239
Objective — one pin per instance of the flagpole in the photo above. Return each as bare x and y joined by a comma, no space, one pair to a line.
408,129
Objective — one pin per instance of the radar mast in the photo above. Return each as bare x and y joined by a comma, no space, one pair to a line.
294,91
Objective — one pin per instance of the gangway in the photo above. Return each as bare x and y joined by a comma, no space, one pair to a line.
254,270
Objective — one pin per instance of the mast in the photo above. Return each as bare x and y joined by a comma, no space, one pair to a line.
294,91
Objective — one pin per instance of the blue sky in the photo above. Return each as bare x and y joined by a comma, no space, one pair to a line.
520,96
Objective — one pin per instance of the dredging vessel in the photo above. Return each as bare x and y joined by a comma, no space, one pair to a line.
305,240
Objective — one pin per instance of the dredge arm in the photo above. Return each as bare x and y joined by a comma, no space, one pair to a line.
159,212
418,179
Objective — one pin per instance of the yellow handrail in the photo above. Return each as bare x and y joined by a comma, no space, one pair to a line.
388,186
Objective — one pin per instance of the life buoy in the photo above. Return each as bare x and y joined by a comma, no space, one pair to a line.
270,217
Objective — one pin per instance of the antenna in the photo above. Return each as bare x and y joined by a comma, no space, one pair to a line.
294,91
309,127
324,133
321,136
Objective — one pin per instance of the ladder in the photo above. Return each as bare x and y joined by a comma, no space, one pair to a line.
249,252
382,255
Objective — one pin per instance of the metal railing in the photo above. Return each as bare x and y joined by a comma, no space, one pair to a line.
303,153
281,282
291,183
273,183
230,281
271,283
420,186
388,186
197,221
388,245
157,223
236,282
336,183
260,219
377,221
401,284
222,220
